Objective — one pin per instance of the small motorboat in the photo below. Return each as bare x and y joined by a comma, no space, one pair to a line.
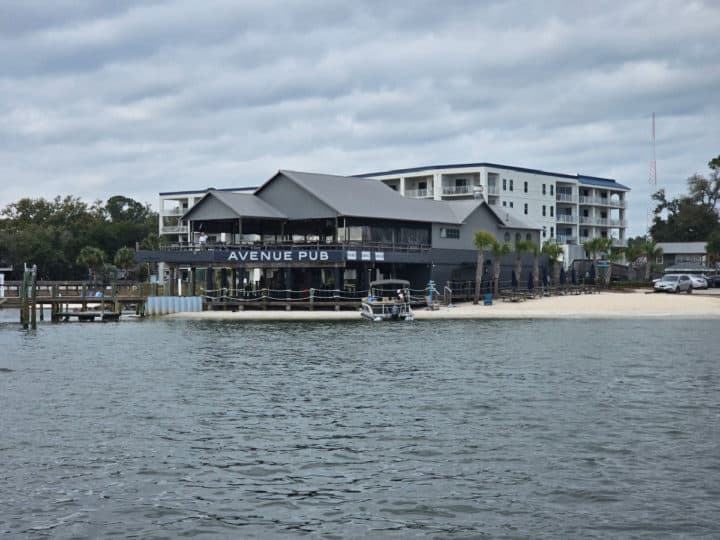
388,300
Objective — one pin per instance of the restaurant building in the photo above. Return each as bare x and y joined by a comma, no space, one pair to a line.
305,230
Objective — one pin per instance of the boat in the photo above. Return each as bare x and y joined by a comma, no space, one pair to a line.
388,300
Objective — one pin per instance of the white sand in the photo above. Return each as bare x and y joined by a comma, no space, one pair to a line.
638,304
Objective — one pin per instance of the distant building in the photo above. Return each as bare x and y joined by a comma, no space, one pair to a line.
683,256
568,208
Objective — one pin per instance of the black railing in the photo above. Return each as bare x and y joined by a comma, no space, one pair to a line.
265,246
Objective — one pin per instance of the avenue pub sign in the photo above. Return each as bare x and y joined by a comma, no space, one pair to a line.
304,256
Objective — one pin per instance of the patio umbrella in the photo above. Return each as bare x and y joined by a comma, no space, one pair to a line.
592,273
545,277
563,277
514,280
573,276
531,282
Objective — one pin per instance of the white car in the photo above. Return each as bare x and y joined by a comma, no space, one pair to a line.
674,283
698,281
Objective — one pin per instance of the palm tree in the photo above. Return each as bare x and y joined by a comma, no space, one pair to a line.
522,246
553,250
595,246
483,240
498,251
632,253
651,251
124,259
93,258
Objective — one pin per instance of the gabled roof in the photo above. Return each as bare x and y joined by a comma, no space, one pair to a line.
242,204
601,182
683,248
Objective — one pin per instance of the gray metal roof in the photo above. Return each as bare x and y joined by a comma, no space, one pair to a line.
683,248
243,204
363,197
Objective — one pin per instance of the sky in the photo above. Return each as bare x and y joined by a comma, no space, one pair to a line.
136,97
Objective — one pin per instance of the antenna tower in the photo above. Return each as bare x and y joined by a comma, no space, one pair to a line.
653,164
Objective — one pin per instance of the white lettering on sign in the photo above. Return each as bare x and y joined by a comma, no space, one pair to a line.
352,256
365,256
379,255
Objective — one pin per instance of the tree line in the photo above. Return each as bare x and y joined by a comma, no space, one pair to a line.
69,239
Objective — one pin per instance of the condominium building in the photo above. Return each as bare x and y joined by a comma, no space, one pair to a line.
568,208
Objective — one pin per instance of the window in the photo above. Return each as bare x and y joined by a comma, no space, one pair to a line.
543,191
507,236
603,214
449,233
460,182
544,233
543,210
518,237
511,184
528,237
552,189
504,203
422,185
504,184
525,187
552,211
526,208
511,204
584,233
552,232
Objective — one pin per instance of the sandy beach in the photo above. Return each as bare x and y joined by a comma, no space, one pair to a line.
605,305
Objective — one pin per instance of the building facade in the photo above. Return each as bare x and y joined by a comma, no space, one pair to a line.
307,230
568,209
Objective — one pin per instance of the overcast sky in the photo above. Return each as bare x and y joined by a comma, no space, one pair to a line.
138,97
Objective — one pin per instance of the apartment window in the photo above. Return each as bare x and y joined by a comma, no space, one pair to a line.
552,232
586,193
526,208
603,214
544,233
525,187
543,210
507,236
511,184
528,237
511,204
504,184
504,203
518,237
552,211
460,182
543,189
449,232
552,189
584,233
585,212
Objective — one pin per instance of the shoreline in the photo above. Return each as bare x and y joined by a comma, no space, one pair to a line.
604,305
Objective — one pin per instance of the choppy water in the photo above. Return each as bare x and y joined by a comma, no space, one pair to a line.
473,429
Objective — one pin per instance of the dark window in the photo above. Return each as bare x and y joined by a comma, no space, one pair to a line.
504,184
526,208
552,189
511,184
511,204
518,237
528,237
504,203
552,232
552,211
543,191
543,210
449,233
525,187
544,233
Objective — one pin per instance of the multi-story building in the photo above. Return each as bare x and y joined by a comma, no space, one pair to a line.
174,204
569,209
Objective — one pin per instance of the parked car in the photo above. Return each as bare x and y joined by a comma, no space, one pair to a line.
698,281
713,281
674,283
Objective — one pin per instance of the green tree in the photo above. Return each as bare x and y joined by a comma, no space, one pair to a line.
554,251
93,259
632,253
498,252
651,251
482,240
124,259
522,246
713,247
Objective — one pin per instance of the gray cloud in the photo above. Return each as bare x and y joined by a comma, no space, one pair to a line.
141,97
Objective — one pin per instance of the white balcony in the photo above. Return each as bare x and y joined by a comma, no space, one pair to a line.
617,223
173,211
566,218
493,189
585,219
174,229
566,197
457,190
615,203
418,193
565,239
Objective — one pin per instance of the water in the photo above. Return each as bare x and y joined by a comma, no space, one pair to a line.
462,429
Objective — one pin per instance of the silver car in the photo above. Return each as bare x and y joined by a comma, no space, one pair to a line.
674,283
698,281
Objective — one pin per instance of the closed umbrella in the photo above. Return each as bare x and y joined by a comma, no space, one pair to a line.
514,280
592,273
563,277
573,276
531,282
